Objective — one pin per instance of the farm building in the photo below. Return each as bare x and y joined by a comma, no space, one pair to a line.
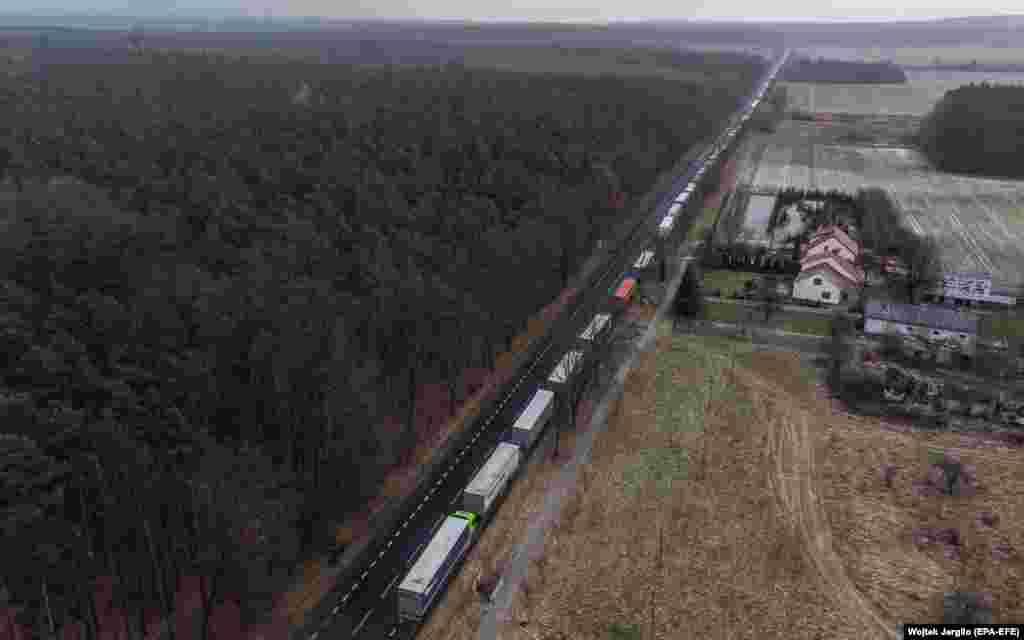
829,279
831,240
970,287
935,324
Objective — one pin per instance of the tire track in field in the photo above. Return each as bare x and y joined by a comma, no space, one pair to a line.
795,483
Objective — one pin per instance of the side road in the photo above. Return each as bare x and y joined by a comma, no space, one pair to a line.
533,544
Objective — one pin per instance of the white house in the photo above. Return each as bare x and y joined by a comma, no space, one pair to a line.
829,279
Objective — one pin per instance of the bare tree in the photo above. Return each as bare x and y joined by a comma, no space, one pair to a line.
689,300
769,294
923,264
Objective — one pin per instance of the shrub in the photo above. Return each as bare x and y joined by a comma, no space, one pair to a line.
948,536
966,608
923,537
987,519
624,632
888,475
948,476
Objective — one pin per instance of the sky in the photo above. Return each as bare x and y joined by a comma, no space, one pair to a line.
555,10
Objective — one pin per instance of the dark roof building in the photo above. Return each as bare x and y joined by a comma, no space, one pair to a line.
928,316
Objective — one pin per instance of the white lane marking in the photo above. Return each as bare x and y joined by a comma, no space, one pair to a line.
336,609
460,456
362,623
314,635
390,584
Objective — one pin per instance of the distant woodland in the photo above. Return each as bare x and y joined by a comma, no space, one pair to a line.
842,71
225,278
977,129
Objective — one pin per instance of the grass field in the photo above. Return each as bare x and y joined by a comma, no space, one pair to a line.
764,507
727,500
1001,325
706,220
725,312
727,281
794,322
817,325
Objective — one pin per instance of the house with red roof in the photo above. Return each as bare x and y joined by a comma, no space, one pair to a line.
831,240
828,278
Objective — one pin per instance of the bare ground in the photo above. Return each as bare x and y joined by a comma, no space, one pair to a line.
778,524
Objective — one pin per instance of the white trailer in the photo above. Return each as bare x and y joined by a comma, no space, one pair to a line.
432,570
596,326
644,260
665,228
531,422
565,367
674,209
491,479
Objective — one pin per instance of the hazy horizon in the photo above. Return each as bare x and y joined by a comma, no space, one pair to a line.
532,10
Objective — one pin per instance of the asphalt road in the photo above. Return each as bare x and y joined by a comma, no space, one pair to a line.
363,605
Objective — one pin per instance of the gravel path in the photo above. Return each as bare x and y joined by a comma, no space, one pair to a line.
532,546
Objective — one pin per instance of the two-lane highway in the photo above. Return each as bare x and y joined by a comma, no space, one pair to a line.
363,605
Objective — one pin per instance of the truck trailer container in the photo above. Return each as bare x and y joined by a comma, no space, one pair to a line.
492,478
625,291
566,367
531,422
433,568
593,332
644,260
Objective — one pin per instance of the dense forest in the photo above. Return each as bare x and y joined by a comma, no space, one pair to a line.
977,129
842,71
225,278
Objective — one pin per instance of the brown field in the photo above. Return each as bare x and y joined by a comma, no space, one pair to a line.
774,518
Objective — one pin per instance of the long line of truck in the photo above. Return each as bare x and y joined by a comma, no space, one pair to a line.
430,555
452,536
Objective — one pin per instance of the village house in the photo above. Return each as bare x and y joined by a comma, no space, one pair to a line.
831,240
828,279
935,324
828,267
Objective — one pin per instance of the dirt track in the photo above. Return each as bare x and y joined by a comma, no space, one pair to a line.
795,484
